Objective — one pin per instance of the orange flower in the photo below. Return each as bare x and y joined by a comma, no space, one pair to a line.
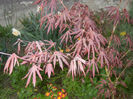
54,87
47,94
50,84
59,93
51,96
79,38
63,90
51,91
63,95
59,97
67,50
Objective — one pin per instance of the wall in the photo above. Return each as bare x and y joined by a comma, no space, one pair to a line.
12,10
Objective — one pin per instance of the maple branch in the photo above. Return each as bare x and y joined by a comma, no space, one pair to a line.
112,34
5,53
19,57
29,60
117,78
125,54
121,73
108,74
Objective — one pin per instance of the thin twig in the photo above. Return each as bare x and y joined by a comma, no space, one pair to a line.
112,34
125,54
5,53
121,73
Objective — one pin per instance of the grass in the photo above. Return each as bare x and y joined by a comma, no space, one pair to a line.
6,90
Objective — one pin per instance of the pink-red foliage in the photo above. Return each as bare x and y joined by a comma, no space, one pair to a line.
88,47
11,62
32,71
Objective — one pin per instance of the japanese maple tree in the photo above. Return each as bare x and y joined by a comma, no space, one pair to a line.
89,51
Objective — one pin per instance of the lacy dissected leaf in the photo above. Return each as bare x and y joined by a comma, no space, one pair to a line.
66,37
88,44
114,14
96,37
103,58
76,66
92,65
37,1
117,40
52,5
126,15
129,41
85,46
50,19
34,46
77,47
64,16
19,41
59,57
114,58
38,57
89,23
91,48
50,44
44,56
106,88
80,15
49,69
78,33
29,58
11,62
32,72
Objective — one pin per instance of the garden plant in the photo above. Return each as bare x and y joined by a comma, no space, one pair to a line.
75,42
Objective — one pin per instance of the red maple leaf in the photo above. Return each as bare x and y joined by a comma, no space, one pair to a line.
11,62
33,71
59,57
77,66
49,69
